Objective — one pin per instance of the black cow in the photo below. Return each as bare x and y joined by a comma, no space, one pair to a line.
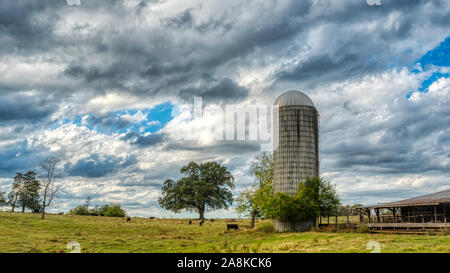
232,226
129,219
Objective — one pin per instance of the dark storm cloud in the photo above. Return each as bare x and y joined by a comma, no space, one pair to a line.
400,148
107,122
22,26
159,64
360,51
324,66
185,19
149,61
145,140
19,158
96,166
223,92
219,147
16,107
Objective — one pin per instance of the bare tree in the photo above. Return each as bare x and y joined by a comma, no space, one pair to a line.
49,188
88,202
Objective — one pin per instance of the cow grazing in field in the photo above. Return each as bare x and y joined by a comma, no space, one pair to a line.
190,222
128,219
232,226
212,220
152,217
201,222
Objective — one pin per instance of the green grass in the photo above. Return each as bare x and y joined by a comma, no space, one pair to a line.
28,233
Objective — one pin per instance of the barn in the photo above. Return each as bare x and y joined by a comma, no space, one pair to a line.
427,211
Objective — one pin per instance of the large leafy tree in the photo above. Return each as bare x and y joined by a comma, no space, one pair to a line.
251,200
203,186
25,191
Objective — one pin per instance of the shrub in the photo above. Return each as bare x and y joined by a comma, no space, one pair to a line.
114,210
314,196
79,210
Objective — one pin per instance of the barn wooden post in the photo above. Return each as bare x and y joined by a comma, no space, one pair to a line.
445,218
423,221
368,215
377,211
435,215
409,218
393,211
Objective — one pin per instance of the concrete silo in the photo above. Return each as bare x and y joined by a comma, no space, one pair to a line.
296,148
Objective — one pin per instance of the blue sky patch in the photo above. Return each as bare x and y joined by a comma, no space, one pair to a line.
440,56
146,120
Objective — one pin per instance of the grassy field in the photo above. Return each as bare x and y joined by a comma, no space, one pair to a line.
28,233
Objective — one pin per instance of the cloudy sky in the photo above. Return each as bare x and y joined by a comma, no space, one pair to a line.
101,85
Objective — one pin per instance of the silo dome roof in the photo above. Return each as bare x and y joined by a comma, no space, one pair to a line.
293,97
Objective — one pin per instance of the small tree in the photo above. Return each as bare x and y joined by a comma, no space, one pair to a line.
246,204
114,210
2,199
48,183
13,195
250,201
206,185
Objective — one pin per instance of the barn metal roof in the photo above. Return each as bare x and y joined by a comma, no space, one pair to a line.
293,97
424,200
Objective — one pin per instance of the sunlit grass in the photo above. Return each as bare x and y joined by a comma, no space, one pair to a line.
28,233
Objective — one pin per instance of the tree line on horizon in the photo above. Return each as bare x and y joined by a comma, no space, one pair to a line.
203,187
